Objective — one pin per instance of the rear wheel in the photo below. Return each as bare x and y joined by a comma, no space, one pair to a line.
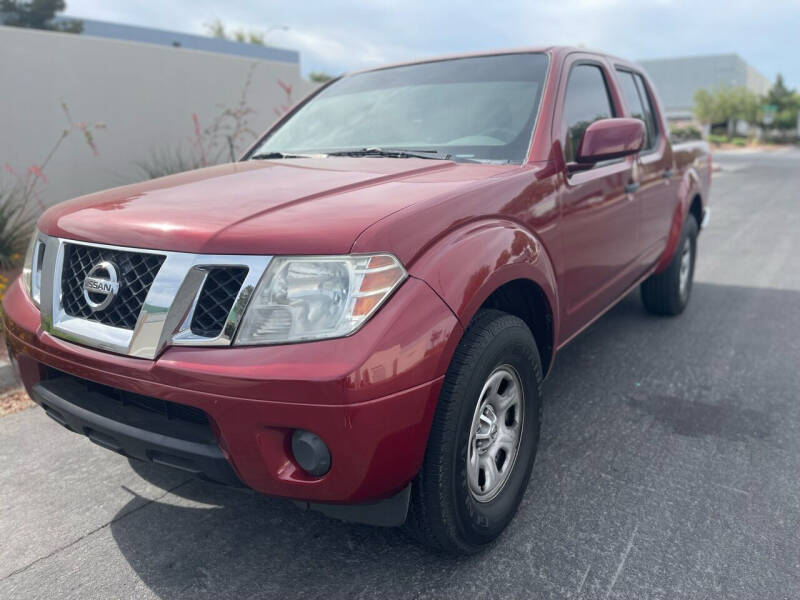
483,440
667,293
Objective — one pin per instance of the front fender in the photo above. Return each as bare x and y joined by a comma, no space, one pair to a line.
470,263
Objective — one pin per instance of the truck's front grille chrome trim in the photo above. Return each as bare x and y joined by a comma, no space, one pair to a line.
216,299
137,270
169,307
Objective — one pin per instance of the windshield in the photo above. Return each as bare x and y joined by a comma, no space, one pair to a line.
480,108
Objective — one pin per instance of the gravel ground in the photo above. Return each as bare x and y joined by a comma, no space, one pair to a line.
14,400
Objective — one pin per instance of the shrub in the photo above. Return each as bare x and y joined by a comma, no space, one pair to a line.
717,139
16,227
739,142
685,134
168,162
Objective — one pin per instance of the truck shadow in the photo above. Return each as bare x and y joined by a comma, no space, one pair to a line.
629,398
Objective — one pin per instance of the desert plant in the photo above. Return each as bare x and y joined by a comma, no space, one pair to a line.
228,134
286,106
230,129
16,225
20,202
26,187
166,161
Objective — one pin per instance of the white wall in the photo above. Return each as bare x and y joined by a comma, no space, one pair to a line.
144,94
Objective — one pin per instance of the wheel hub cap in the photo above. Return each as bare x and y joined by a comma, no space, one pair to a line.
495,433
685,268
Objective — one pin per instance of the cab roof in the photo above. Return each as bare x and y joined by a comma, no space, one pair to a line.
553,51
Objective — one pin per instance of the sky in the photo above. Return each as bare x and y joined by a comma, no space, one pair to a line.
338,36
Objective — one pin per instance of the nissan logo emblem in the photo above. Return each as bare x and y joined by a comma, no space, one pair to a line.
101,281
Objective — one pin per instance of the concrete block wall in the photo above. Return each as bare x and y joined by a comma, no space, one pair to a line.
147,96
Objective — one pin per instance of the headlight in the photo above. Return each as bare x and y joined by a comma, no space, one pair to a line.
32,268
318,297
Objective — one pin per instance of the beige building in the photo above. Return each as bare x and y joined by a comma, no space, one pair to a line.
677,79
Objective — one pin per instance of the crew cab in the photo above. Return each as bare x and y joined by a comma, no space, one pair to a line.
358,315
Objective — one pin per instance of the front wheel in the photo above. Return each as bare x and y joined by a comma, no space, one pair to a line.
667,293
483,439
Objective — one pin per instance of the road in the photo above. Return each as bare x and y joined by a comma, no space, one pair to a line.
669,466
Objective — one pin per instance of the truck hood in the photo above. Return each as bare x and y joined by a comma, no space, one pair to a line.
291,206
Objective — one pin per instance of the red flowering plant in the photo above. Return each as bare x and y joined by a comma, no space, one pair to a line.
228,134
20,195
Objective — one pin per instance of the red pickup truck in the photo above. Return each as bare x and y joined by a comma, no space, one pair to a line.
359,314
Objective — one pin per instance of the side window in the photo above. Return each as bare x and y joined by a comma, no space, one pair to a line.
649,113
635,103
587,100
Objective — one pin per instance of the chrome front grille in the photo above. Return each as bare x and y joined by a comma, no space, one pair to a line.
137,274
163,298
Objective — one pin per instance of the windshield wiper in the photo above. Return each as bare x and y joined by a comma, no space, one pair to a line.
274,155
392,153
358,152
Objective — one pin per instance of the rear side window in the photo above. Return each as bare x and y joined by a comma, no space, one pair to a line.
587,100
650,114
639,104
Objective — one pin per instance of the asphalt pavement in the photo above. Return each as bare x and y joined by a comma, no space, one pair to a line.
669,465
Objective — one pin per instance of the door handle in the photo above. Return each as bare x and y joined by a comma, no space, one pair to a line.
667,174
632,187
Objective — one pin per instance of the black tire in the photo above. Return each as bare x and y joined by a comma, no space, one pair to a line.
662,293
444,514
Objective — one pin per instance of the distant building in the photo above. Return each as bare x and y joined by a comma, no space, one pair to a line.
147,35
677,79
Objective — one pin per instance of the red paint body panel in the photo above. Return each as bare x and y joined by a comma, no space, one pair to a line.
258,207
369,396
461,230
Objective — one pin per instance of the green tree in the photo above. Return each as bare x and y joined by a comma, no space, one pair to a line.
726,105
319,77
37,14
787,104
705,108
217,29
745,105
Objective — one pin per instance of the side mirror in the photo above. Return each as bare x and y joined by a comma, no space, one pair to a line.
607,139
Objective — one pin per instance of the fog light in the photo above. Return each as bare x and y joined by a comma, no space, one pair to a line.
311,453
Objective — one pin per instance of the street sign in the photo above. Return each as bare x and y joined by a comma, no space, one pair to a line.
768,113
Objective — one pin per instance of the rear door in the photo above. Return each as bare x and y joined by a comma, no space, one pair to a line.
657,192
599,223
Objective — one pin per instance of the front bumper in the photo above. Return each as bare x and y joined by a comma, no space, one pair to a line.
134,431
370,396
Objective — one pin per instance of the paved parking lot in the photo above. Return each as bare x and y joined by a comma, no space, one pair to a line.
669,466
